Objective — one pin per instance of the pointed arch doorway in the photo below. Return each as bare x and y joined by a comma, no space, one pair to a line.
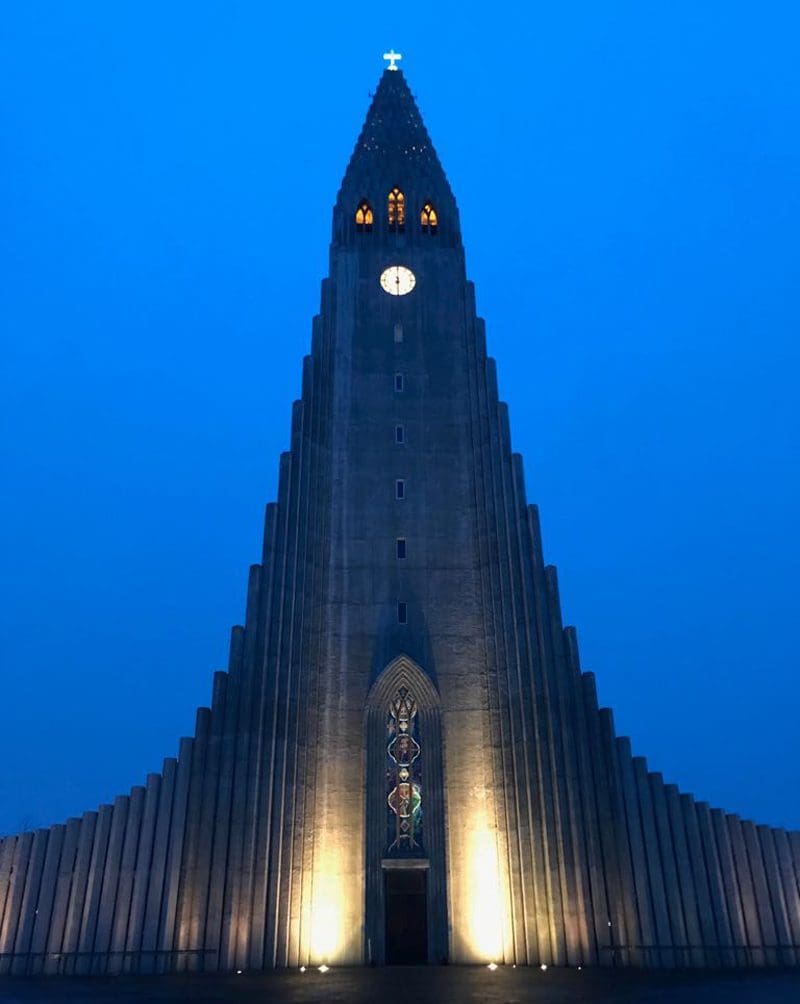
406,889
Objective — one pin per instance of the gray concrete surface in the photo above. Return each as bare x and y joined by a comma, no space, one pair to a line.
420,985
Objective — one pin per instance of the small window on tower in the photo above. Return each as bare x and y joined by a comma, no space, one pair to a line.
364,216
428,219
399,383
402,613
398,333
400,489
396,206
401,547
399,434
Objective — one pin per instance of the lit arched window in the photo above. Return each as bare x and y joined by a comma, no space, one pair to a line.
397,209
428,218
364,216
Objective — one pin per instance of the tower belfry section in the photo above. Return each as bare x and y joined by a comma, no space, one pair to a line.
404,761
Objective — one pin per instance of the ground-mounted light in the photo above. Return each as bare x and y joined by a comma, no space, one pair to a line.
238,972
302,969
492,966
543,967
323,968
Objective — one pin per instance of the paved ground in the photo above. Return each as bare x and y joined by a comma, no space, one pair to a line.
418,985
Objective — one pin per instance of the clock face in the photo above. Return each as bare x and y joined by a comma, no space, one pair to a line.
398,280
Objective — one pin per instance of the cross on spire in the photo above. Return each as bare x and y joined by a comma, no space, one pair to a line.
392,57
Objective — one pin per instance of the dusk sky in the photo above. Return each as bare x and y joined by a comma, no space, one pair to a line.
627,176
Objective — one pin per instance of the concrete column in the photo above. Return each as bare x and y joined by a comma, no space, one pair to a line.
108,894
791,887
696,955
763,905
133,960
158,865
167,935
719,904
708,931
638,858
672,889
755,939
94,885
14,896
663,956
77,894
733,897
43,906
785,954
27,914
55,962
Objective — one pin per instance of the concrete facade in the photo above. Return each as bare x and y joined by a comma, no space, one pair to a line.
264,844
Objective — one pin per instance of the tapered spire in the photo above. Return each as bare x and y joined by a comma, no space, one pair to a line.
394,151
393,140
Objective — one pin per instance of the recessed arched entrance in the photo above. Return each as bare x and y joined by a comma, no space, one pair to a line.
406,890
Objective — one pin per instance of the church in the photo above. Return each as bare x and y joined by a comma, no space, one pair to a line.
404,762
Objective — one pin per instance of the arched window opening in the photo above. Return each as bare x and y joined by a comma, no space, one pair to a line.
364,216
403,775
428,219
396,209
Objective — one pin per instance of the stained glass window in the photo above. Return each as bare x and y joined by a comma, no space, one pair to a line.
396,206
428,219
403,776
364,216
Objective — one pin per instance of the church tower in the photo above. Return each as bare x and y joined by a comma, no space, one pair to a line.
404,761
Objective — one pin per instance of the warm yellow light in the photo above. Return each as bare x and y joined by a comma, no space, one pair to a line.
486,912
327,915
323,968
492,966
302,969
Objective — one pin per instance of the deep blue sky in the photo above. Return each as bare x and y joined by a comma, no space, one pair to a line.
627,175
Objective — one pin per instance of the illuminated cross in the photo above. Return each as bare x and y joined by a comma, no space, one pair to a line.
392,58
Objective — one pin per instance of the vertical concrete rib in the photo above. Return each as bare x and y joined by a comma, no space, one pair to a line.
662,956
716,884
511,748
158,866
207,810
708,930
167,940
774,886
577,883
755,955
766,918
683,863
27,914
791,888
63,883
14,897
672,889
43,904
550,828
733,897
610,921
220,874
628,942
133,960
7,848
94,886
590,794
191,841
77,894
108,893
638,858
127,870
